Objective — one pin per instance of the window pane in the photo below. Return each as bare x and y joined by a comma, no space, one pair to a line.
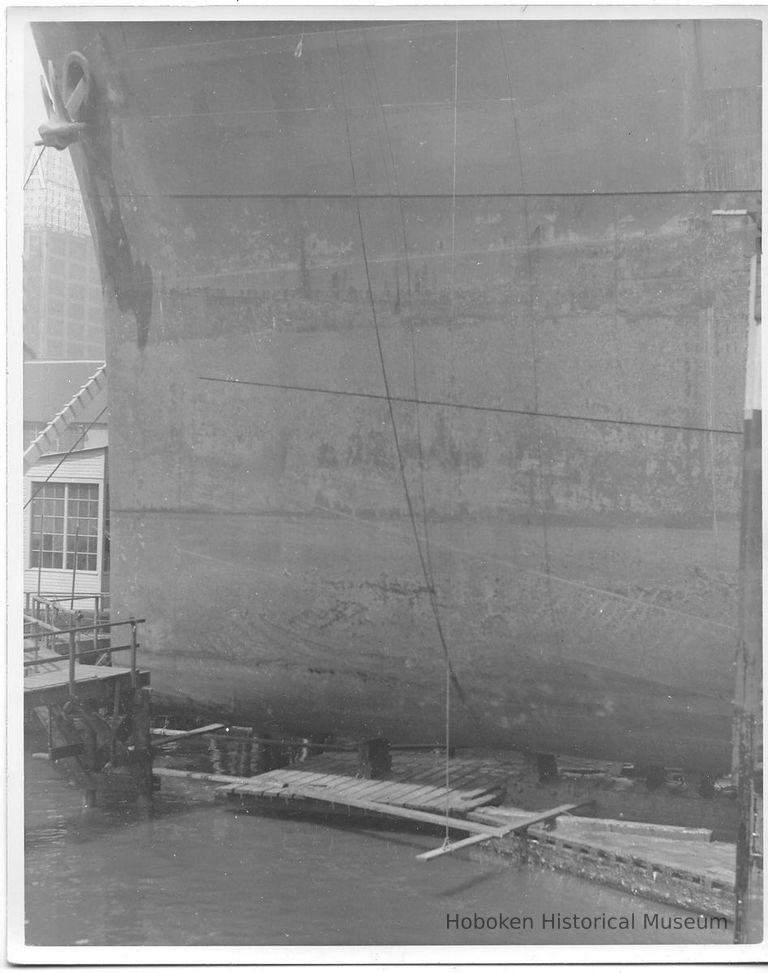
46,518
65,513
82,526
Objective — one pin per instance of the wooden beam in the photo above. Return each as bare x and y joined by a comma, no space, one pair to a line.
203,778
179,735
455,845
537,818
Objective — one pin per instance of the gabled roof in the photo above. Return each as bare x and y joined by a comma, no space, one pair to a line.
49,386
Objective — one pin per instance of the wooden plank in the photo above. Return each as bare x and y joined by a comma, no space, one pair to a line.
399,793
186,734
393,791
366,789
283,775
303,777
282,783
439,799
474,839
83,673
386,791
56,692
538,818
389,810
423,769
399,790
478,796
361,787
203,778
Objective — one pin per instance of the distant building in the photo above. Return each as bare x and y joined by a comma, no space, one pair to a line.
63,306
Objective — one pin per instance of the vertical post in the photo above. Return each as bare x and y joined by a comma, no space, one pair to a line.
142,745
90,744
748,696
115,723
74,570
373,759
72,664
40,554
133,655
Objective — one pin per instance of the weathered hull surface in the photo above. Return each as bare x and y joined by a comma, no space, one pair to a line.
498,341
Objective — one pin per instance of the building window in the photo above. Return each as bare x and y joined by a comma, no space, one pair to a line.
65,526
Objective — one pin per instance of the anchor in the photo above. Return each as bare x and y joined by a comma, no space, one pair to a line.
63,127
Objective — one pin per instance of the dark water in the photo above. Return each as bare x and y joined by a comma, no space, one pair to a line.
195,873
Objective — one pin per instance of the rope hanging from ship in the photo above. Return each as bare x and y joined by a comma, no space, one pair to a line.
390,404
394,189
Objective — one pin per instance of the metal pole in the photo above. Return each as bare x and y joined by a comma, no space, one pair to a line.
74,570
72,664
40,554
133,655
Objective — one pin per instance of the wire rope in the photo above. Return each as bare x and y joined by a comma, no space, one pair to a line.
389,398
501,410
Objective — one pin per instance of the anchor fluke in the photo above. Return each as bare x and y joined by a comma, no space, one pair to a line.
63,127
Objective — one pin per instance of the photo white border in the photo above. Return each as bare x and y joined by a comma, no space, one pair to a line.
17,17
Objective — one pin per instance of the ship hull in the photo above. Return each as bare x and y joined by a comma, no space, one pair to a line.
426,383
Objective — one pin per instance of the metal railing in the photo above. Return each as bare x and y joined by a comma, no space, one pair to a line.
48,607
74,644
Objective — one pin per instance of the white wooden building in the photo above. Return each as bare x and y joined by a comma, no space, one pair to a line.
66,530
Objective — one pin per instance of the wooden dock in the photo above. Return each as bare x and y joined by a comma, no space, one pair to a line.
665,863
51,686
96,715
309,790
465,773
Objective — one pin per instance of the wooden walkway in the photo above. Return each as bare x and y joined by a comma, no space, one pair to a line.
351,792
465,773
51,687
